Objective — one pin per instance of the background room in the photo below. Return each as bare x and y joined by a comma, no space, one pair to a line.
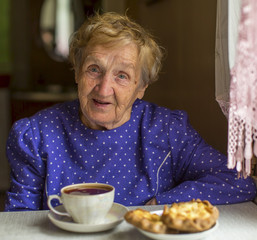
34,72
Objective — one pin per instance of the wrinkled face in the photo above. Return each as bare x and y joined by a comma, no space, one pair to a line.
108,85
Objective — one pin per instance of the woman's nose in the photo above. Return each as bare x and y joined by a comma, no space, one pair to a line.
105,87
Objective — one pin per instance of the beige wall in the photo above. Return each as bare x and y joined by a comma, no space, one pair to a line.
186,28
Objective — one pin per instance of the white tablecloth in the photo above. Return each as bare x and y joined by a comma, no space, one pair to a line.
236,222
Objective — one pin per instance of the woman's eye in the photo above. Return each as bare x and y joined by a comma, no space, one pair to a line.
122,76
122,79
94,71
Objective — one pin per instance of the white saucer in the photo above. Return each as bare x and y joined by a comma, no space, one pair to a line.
113,218
179,236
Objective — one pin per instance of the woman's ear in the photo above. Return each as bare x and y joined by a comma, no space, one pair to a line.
76,77
141,92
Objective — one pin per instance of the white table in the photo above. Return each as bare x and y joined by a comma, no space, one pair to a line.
238,221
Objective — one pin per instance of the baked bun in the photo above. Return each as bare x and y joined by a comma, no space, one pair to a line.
193,216
146,221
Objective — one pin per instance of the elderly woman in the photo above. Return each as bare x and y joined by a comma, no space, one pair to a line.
150,154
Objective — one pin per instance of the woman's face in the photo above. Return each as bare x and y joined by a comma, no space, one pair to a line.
108,85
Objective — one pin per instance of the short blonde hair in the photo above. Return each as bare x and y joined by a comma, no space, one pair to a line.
113,29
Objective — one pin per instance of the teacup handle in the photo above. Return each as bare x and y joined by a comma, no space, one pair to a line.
50,198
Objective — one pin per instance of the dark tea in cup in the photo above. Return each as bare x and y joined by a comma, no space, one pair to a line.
87,191
86,203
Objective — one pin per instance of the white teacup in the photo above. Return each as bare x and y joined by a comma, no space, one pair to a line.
86,203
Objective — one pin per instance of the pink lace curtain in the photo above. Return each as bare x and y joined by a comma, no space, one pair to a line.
242,135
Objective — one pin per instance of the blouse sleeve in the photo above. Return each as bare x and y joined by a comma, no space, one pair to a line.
200,171
27,168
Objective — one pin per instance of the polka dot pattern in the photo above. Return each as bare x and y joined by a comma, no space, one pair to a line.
155,154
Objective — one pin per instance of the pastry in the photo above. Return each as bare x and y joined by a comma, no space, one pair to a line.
145,220
192,216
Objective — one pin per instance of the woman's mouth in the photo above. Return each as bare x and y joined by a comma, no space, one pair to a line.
100,103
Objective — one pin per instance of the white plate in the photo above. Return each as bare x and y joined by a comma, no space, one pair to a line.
113,218
179,236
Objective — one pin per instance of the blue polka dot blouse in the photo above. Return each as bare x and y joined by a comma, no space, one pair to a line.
156,153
